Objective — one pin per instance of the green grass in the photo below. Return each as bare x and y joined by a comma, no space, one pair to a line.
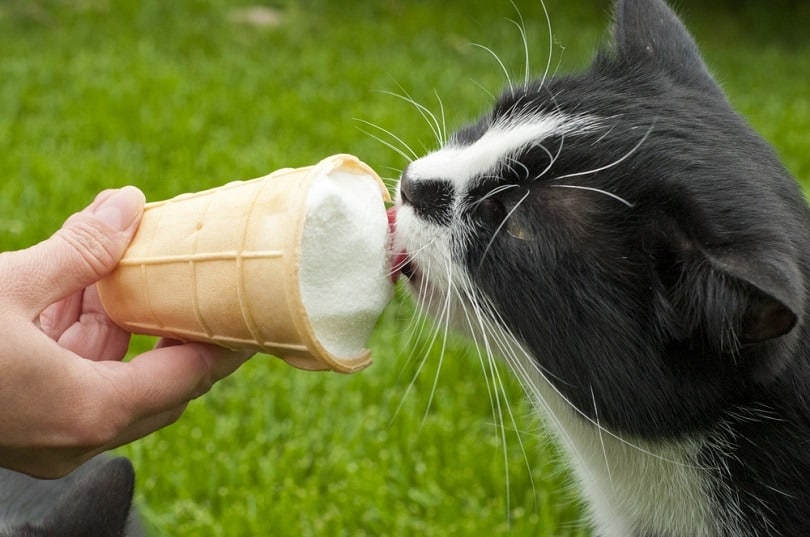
177,96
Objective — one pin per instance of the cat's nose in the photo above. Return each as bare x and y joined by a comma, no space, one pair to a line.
432,199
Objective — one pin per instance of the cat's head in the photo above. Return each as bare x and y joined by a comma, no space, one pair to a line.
624,226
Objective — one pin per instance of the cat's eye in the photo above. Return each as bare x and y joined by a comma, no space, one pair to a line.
490,212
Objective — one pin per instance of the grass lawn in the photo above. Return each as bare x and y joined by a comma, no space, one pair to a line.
180,96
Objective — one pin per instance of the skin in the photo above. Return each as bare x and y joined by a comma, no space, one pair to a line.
65,393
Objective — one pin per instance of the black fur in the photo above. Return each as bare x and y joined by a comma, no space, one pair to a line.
93,501
682,314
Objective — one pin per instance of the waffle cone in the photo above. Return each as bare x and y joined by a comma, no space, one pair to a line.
222,266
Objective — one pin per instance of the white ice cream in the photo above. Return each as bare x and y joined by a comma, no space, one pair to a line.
344,269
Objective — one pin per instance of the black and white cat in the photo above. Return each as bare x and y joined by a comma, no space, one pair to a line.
638,256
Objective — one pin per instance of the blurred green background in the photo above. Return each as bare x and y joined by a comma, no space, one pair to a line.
181,96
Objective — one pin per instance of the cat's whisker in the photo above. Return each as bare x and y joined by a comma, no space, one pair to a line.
605,135
529,384
551,158
550,44
517,357
484,89
492,391
500,389
598,190
407,153
526,171
615,162
429,117
390,182
485,313
445,315
421,324
600,427
601,437
497,376
415,336
509,166
394,169
478,346
537,398
505,71
495,191
494,177
497,390
443,129
389,145
500,227
521,26
505,345
411,255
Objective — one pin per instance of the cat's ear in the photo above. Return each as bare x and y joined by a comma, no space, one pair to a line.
746,296
768,291
97,504
647,32
728,301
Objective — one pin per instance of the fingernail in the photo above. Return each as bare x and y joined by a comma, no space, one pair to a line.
121,208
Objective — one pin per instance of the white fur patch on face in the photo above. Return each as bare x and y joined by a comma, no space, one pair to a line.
431,247
460,163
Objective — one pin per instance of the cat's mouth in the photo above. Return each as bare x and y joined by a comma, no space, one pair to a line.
400,260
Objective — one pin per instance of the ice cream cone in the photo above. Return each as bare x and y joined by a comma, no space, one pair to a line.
225,266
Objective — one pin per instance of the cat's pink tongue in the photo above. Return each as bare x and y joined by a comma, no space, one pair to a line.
398,258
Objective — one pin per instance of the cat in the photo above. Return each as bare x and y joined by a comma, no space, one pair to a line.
637,255
93,501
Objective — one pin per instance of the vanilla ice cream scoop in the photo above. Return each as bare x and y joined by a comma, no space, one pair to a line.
293,264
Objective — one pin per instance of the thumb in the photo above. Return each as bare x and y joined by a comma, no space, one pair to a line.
86,248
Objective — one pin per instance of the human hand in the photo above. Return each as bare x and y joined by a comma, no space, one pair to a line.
65,394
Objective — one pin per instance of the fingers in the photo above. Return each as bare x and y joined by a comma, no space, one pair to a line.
56,462
163,381
160,384
168,376
61,407
58,317
86,248
95,338
90,333
137,397
65,409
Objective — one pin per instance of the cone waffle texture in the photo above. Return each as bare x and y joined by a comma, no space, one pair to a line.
222,266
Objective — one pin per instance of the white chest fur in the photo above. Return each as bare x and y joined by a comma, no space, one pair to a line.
634,487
